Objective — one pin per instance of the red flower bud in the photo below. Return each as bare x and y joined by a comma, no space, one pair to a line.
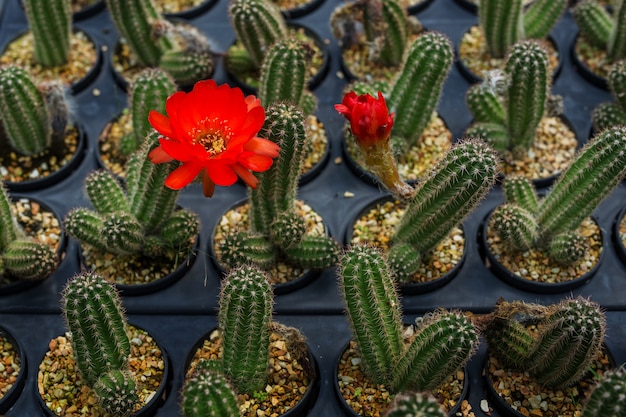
369,117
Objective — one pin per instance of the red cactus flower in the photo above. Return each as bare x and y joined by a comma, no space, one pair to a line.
369,117
212,131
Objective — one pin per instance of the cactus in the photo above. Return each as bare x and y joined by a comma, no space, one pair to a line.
415,404
276,230
245,315
20,100
443,342
50,22
417,87
613,113
258,24
188,67
140,220
607,396
117,393
463,177
602,30
208,393
569,337
504,23
507,114
94,315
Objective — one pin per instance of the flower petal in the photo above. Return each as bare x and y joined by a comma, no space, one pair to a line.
221,174
263,147
159,156
161,123
246,175
182,176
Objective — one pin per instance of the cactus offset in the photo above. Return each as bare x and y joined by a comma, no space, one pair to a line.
50,22
24,113
208,393
609,114
417,87
284,73
117,393
602,30
94,315
187,67
607,397
245,315
462,178
415,404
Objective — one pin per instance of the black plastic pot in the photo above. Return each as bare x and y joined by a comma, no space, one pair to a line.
586,72
192,12
302,10
89,11
9,398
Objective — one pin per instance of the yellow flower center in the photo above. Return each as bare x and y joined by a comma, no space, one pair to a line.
214,143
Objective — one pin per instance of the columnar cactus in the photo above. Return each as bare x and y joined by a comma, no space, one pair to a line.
50,22
417,87
258,24
140,220
507,108
415,404
607,397
100,343
20,256
602,30
443,342
551,223
504,23
276,230
570,336
244,319
612,113
208,393
462,178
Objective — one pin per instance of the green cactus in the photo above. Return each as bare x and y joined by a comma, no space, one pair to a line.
504,23
258,24
208,393
415,404
462,178
21,100
417,87
275,226
443,342
508,106
117,393
244,318
95,318
140,220
515,225
569,337
607,397
187,67
50,22
613,113
602,30
21,257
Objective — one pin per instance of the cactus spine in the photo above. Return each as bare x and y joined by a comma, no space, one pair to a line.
444,341
607,397
116,390
245,316
463,177
50,23
504,23
415,404
139,221
24,113
208,393
283,73
613,113
602,30
258,24
507,114
273,215
417,87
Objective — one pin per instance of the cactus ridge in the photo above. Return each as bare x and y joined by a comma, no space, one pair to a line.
500,21
541,16
24,113
415,404
616,79
187,67
395,33
26,259
283,73
521,191
594,22
607,397
96,320
567,248
116,391
418,85
105,192
314,252
244,318
50,22
243,248
516,226
8,226
609,114
377,323
404,260
208,393
617,40
484,104
510,342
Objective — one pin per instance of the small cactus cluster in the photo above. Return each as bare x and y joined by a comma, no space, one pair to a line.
415,404
505,22
569,337
139,220
181,50
99,334
607,396
34,117
386,27
448,194
508,106
613,113
20,256
50,22
443,341
277,232
207,392
602,30
524,221
149,91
